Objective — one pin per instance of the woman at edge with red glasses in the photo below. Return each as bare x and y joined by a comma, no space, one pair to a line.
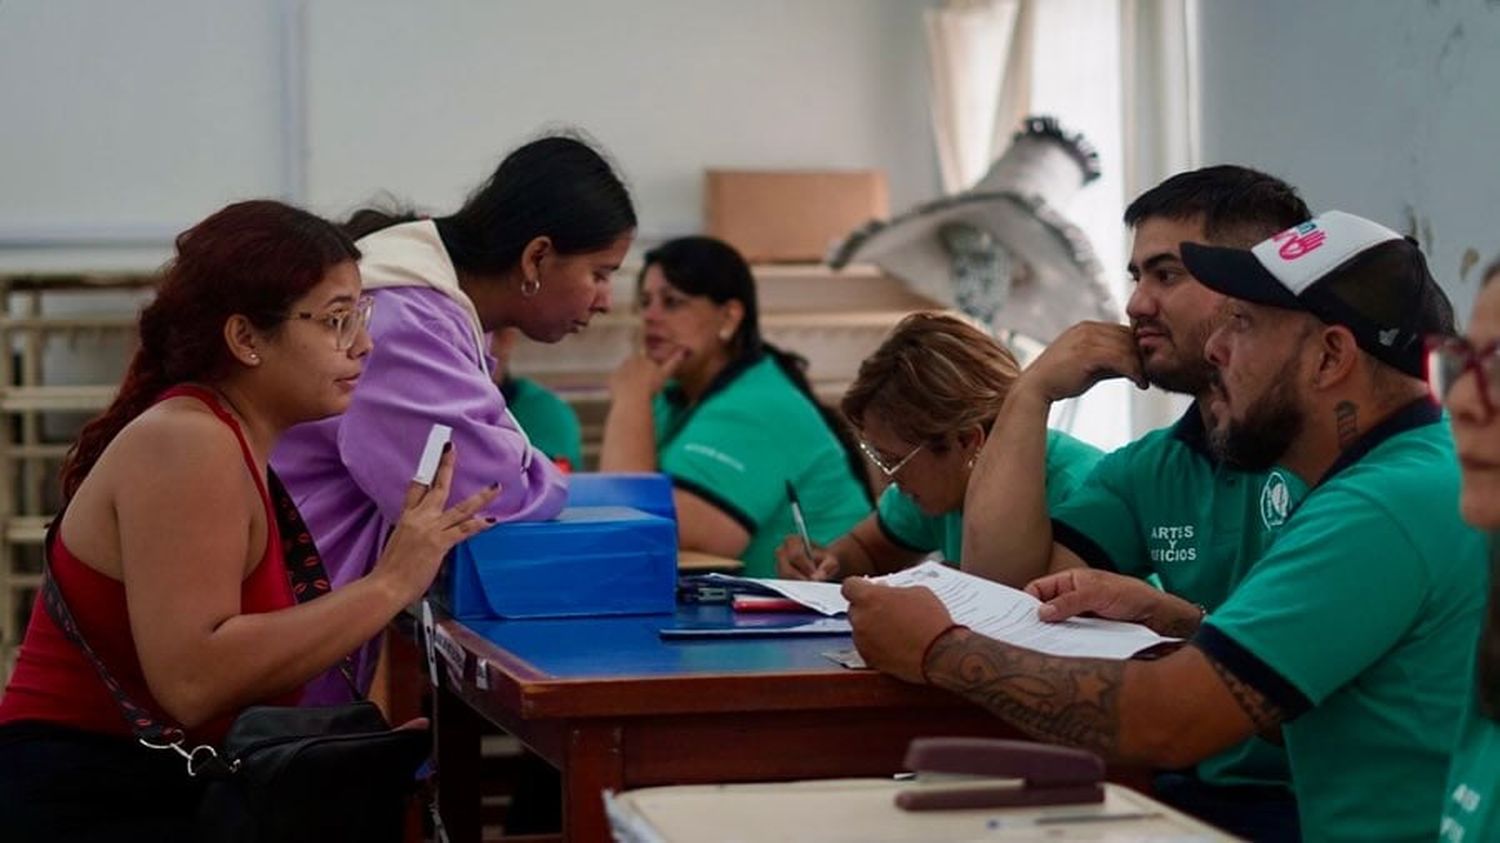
1465,375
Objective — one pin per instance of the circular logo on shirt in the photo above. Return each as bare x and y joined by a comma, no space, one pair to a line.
1275,500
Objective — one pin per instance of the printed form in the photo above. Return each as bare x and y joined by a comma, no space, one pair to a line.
988,608
1009,615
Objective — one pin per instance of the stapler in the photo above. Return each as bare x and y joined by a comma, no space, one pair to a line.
1041,774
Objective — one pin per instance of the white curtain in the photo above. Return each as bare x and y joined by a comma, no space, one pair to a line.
979,61
1159,72
1075,78
1125,74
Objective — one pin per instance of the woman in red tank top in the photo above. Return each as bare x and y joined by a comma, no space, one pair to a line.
167,552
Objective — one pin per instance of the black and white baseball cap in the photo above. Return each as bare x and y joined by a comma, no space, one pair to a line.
1345,270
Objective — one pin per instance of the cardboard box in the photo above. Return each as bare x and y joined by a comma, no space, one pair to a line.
607,560
784,216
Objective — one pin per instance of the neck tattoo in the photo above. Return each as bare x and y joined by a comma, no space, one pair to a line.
1346,415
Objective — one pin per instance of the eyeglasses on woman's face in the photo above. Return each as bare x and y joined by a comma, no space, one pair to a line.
887,469
345,322
1449,358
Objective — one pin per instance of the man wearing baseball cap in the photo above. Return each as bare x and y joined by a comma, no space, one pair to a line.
1353,632
1162,506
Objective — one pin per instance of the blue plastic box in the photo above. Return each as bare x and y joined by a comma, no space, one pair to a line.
644,491
606,560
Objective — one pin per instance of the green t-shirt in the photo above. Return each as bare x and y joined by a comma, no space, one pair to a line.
550,422
1359,623
1069,461
1163,507
1469,804
750,433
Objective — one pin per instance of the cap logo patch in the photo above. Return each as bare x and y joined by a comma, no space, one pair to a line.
1299,241
1388,337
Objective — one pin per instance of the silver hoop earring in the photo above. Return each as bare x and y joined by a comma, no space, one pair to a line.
530,287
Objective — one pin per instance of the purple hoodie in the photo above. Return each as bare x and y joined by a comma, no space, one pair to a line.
349,474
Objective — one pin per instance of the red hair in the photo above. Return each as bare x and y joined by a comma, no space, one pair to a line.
253,259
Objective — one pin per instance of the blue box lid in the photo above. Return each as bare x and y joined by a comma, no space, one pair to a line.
588,561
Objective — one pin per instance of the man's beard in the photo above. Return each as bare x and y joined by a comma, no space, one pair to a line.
1189,373
1272,424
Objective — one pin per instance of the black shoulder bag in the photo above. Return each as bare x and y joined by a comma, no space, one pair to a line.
283,773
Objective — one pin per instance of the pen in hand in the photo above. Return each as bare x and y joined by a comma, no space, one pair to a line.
791,496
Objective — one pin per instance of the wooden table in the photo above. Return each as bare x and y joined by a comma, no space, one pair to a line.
612,706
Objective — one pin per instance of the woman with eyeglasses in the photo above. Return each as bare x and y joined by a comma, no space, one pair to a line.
729,416
533,249
923,405
1465,374
169,552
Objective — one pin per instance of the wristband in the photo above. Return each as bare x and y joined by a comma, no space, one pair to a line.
927,651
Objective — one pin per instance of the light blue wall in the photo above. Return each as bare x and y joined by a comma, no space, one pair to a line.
1386,108
129,121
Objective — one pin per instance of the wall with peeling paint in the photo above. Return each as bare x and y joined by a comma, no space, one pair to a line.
1389,109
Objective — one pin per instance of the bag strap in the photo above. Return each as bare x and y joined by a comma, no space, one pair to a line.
304,565
143,724
304,569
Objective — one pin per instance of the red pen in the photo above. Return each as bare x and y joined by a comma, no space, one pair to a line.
754,603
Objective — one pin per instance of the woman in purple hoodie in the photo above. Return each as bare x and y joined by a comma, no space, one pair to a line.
533,248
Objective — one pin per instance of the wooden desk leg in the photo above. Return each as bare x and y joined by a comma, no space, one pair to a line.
594,764
458,731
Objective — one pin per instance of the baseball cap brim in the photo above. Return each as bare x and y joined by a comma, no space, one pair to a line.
1238,274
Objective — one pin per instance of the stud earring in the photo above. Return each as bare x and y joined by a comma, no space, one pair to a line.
254,358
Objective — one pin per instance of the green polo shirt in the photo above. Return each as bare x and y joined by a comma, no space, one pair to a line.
550,422
1163,505
1069,461
750,433
1470,814
1359,623
1470,811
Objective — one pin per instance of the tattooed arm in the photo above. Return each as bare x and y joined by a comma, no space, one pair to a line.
1172,712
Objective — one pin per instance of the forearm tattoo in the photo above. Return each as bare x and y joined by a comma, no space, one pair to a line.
1265,714
1061,700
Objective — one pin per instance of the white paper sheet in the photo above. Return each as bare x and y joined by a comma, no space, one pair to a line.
1009,615
989,608
822,597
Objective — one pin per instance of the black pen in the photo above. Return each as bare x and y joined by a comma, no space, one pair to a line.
791,495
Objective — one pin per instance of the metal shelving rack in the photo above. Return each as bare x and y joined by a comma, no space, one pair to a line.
39,416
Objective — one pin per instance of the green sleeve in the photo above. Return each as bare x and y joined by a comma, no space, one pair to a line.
721,455
1342,573
1069,463
550,421
1098,520
904,524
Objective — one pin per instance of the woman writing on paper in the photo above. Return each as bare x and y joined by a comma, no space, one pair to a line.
169,554
730,417
533,248
922,405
